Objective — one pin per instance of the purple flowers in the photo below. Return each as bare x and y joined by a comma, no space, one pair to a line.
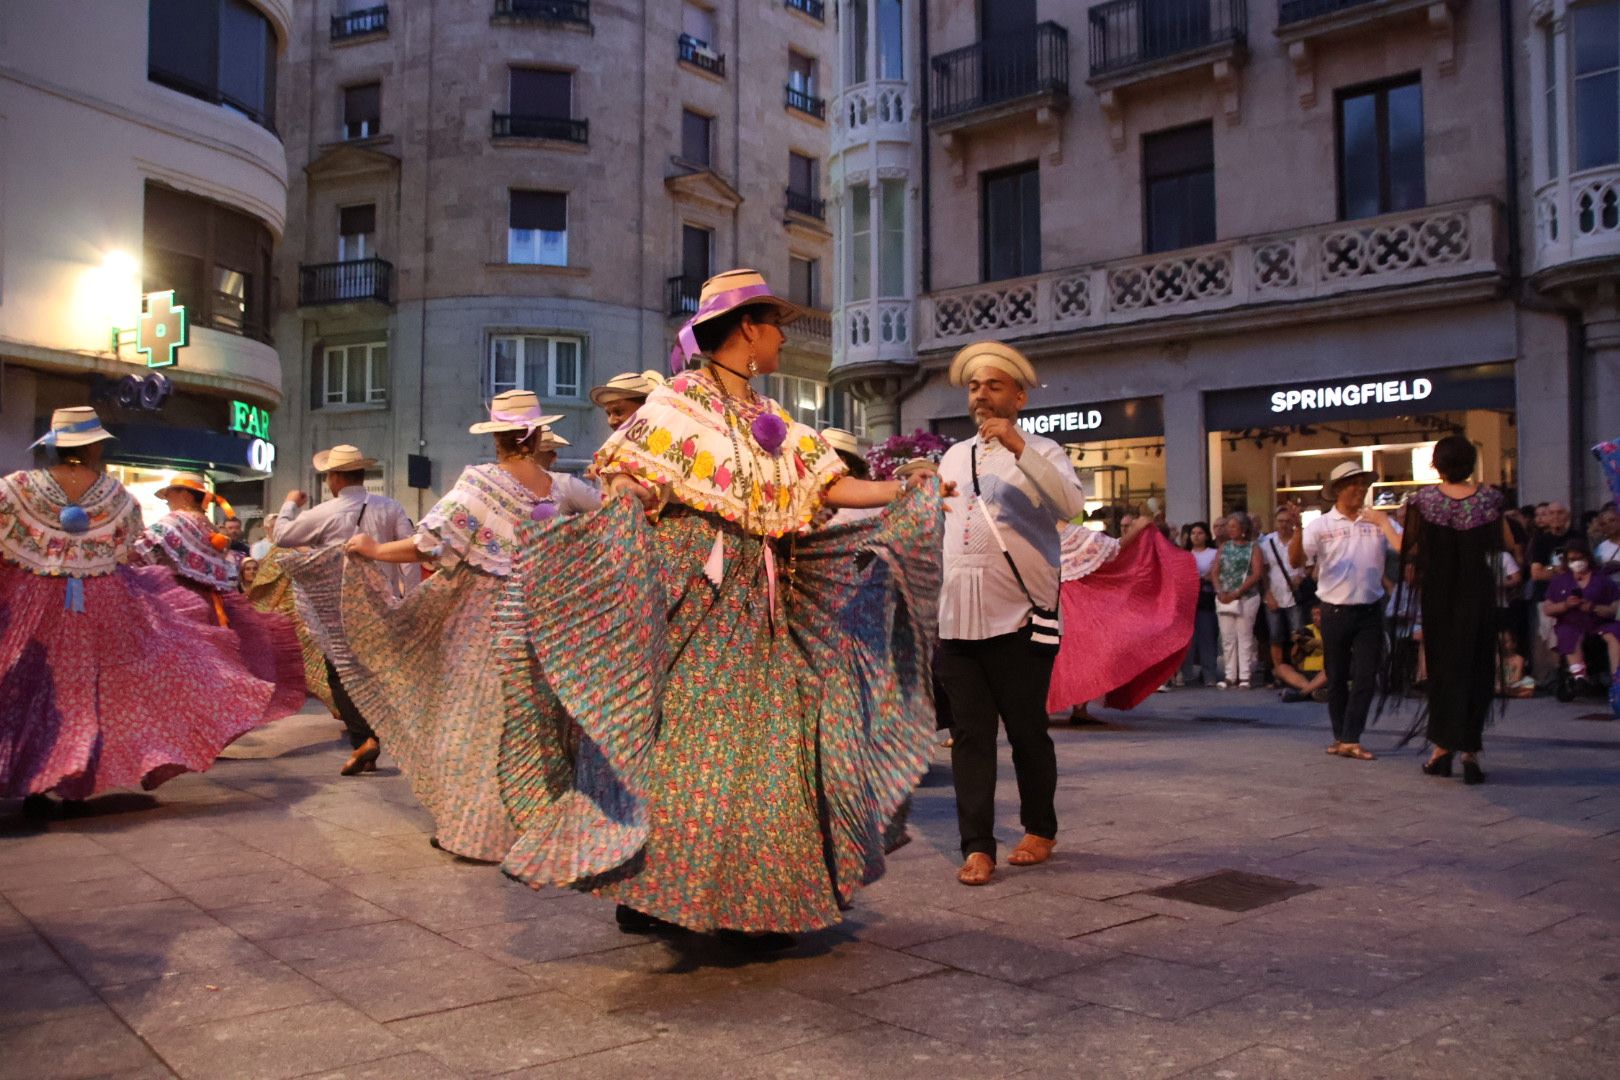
769,431
543,512
896,450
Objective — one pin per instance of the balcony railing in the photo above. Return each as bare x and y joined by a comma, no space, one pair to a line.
1578,218
577,12
1393,255
347,282
510,126
371,20
805,102
816,9
813,324
1128,33
802,202
681,295
1001,69
689,50
1293,11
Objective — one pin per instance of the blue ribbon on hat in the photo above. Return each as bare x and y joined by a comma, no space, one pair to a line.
49,438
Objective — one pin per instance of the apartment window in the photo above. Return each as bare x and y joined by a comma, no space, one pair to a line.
537,228
891,54
697,254
815,404
802,174
697,23
804,281
541,95
1595,30
1550,102
357,232
1178,188
855,42
802,74
548,366
214,257
351,375
1380,149
222,51
1011,223
892,238
697,137
362,111
859,283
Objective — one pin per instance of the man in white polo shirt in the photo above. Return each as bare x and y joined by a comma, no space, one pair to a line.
1348,544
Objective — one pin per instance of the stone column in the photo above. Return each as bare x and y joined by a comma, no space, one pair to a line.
1600,397
1186,457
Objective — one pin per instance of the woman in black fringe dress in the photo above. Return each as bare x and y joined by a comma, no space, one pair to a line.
1453,532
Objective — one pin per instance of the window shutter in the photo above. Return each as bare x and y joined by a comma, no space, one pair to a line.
547,94
544,210
357,220
363,103
802,174
317,377
1184,150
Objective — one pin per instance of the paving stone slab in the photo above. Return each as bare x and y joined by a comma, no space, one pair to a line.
1059,914
540,940
360,946
1321,1024
880,1052
33,997
23,951
841,968
1271,1063
430,983
412,1066
270,885
1151,987
505,1035
1101,1042
742,1021
181,999
141,941
335,909
963,1008
275,1045
133,888
451,897
68,871
1011,954
83,1044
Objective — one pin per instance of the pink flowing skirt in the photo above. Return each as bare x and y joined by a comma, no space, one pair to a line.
1126,626
137,689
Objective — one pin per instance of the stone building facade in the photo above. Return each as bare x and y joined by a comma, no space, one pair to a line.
1243,240
492,193
139,157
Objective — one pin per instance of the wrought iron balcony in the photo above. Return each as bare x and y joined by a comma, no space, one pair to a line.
510,126
1293,11
816,9
347,282
689,50
806,103
802,202
681,295
1131,33
371,20
577,12
999,70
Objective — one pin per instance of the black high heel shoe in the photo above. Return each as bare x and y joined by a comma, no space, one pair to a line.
1440,766
1472,773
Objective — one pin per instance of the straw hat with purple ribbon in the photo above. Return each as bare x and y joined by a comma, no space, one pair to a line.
721,294
514,410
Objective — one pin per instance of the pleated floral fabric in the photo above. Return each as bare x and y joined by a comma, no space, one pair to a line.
685,749
272,591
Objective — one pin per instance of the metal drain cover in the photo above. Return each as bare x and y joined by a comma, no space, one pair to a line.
1232,890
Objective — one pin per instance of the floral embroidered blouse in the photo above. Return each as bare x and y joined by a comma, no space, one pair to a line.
31,533
183,541
697,446
1481,508
476,521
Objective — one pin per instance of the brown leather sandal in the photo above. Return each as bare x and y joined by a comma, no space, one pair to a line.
977,869
1031,850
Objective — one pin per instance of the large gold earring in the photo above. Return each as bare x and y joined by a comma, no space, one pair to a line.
753,364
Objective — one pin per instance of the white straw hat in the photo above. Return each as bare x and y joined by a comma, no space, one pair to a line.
1341,475
514,410
75,426
343,458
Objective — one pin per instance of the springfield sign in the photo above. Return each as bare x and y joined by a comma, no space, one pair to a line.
1351,395
1045,423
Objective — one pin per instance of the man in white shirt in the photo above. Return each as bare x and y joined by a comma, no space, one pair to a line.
1607,550
1024,484
351,510
1284,618
1348,545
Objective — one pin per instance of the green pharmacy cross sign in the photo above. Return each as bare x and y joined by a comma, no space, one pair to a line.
162,329
161,332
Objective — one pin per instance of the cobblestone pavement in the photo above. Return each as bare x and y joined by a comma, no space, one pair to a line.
270,919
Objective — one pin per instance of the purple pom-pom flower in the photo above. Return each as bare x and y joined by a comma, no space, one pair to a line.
543,512
769,431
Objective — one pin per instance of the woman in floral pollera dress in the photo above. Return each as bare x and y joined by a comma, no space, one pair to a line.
110,676
422,670
698,745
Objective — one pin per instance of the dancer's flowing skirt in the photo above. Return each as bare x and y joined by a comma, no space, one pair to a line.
689,750
272,591
137,689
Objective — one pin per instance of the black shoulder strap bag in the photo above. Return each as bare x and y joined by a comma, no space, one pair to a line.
1041,630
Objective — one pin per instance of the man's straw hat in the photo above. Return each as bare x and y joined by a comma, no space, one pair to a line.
343,458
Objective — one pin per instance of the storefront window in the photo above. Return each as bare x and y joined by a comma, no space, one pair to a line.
1595,29
215,258
222,51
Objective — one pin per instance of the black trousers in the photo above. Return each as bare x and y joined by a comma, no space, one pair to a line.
985,679
1352,650
359,730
